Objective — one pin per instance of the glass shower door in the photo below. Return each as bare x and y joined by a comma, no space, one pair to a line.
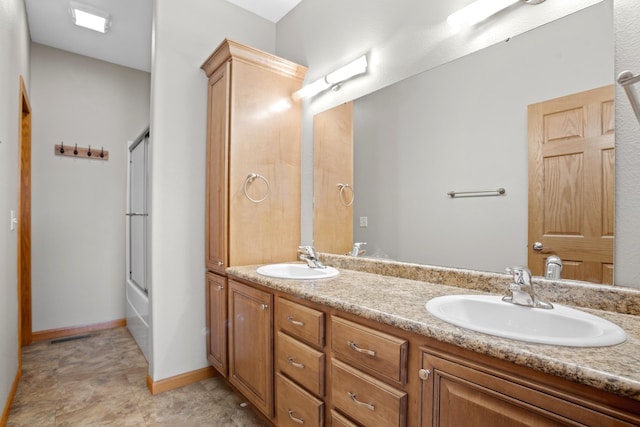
137,214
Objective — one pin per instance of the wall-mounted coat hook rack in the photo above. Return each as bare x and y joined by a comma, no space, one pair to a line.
72,150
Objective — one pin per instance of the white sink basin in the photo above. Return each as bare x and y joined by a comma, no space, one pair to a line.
296,271
558,326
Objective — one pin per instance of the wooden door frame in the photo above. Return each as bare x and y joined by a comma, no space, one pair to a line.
24,221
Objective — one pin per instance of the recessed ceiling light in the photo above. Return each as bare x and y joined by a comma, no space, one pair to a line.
89,17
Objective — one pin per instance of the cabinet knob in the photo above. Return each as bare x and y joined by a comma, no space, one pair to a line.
220,263
264,307
220,287
424,374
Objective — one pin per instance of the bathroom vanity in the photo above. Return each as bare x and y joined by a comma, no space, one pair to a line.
253,175
360,349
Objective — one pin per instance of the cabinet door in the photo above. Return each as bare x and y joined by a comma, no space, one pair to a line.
265,140
251,344
217,161
217,322
454,394
332,167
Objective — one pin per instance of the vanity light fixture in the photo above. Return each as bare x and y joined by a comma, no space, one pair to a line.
89,17
480,10
334,79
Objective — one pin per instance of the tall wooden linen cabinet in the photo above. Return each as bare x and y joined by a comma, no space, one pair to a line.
252,202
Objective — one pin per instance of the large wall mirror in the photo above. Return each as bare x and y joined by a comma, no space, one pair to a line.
462,126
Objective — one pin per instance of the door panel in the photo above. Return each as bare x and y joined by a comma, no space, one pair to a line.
571,184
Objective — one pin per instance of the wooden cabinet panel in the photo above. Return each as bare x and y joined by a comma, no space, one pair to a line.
265,141
375,351
251,344
301,363
217,202
301,322
333,166
366,399
474,395
217,322
339,420
295,406
254,129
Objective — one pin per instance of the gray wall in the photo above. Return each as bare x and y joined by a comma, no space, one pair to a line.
186,33
627,247
14,62
78,205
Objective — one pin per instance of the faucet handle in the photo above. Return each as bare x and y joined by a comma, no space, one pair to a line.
308,250
521,274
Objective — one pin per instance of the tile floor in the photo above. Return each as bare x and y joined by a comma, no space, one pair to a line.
100,380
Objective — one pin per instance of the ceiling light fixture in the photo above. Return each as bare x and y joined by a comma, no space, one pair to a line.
89,17
334,79
480,10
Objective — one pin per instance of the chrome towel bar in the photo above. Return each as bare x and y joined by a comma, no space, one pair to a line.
487,193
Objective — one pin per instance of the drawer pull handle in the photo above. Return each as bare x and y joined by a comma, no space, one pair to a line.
355,347
295,419
294,321
294,363
366,405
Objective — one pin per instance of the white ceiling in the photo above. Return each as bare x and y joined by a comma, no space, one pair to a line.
128,41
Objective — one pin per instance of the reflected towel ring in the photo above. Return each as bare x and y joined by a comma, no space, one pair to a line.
252,177
341,195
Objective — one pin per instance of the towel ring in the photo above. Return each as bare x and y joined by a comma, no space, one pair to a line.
341,195
252,177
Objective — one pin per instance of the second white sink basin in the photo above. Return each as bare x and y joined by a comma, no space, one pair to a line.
296,271
558,326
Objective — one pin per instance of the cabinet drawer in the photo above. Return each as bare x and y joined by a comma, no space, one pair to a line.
301,363
295,406
301,322
365,399
374,351
338,420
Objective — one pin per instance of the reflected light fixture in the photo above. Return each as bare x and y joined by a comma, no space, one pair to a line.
89,17
334,79
480,10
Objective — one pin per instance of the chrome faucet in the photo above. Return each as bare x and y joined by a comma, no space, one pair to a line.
553,268
308,254
521,289
357,249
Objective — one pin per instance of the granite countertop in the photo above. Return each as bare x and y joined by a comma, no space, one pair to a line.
400,302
